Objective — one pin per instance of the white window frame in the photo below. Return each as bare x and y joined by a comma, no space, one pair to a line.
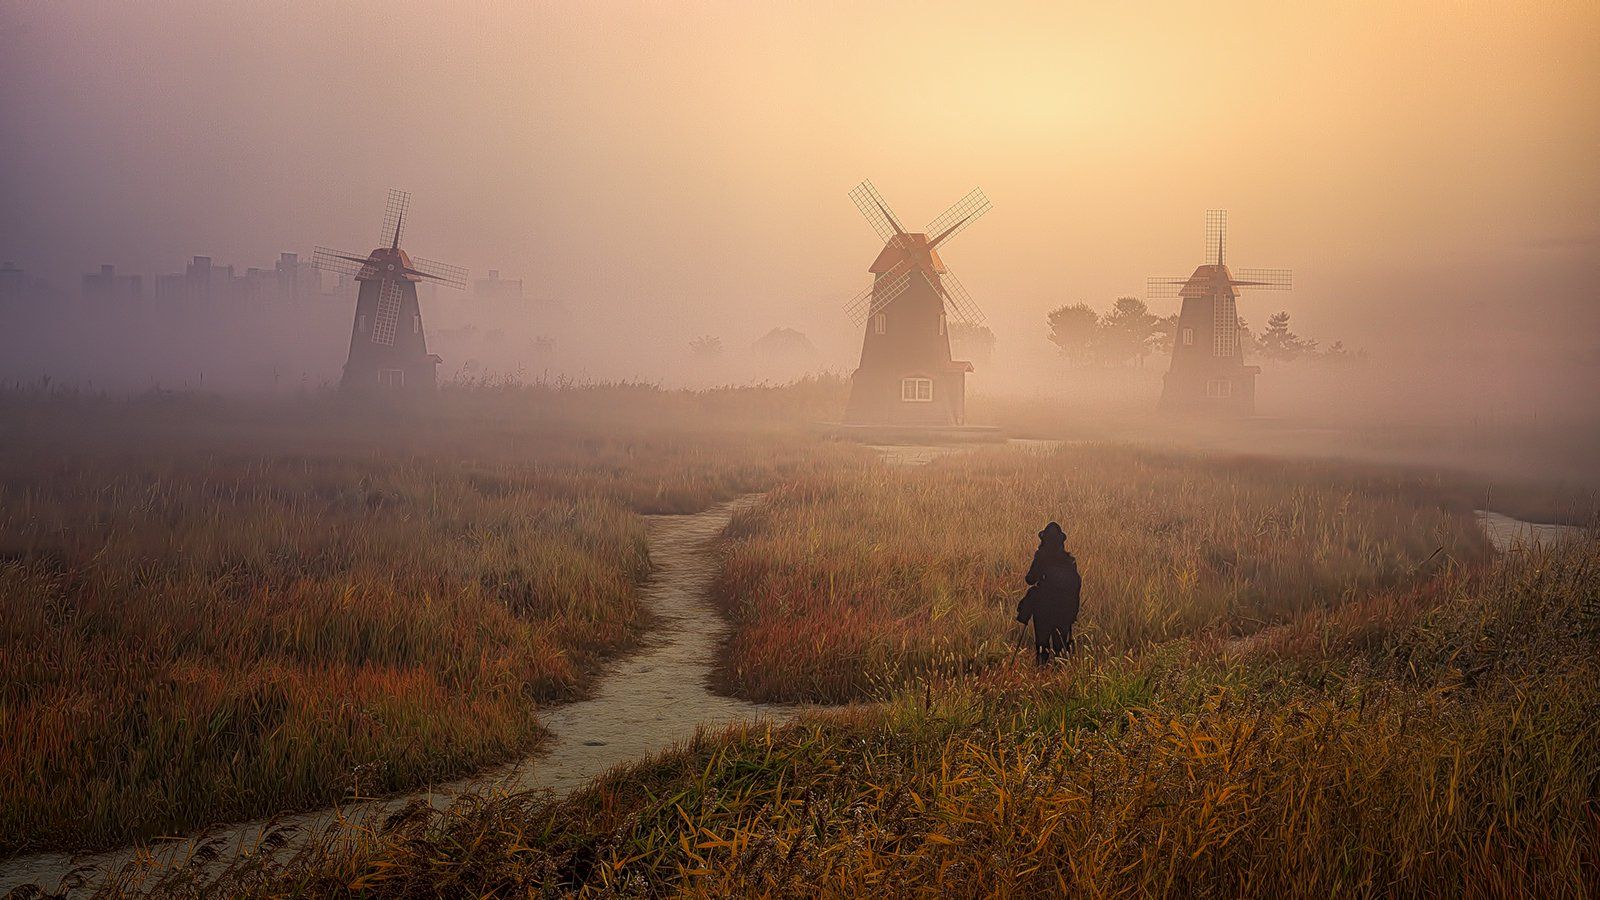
416,324
1219,388
392,378
1188,337
916,389
880,323
361,323
941,323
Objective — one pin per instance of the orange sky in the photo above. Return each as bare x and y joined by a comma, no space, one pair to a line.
671,169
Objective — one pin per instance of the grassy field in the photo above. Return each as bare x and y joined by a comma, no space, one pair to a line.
845,581
213,610
1295,678
1435,739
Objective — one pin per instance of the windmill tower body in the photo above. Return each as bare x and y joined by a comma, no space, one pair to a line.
1208,368
906,376
1208,371
388,346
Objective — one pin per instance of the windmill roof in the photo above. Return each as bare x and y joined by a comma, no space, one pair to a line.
1213,278
898,248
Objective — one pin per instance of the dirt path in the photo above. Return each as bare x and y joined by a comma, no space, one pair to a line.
646,703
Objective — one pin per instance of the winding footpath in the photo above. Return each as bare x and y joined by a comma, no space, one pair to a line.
647,702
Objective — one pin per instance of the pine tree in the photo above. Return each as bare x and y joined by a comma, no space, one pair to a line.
1279,343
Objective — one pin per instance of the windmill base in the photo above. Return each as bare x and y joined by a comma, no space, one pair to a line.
932,395
417,376
1231,392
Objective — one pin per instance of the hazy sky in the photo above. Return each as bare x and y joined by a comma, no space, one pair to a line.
676,168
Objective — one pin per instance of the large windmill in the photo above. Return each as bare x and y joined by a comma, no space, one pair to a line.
1208,370
388,348
906,375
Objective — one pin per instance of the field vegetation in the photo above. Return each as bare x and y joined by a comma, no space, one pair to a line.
1293,678
847,580
1439,738
212,610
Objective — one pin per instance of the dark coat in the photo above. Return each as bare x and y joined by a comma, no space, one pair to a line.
1052,601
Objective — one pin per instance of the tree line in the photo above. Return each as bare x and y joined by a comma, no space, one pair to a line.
1129,332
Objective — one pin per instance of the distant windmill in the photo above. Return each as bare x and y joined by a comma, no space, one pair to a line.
388,348
1208,370
906,375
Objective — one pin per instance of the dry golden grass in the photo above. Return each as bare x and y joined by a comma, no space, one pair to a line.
1450,746
213,611
847,580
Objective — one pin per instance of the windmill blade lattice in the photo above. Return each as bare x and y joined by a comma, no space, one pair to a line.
1164,287
444,273
960,215
339,262
1266,279
1216,234
394,217
387,315
880,293
876,210
961,302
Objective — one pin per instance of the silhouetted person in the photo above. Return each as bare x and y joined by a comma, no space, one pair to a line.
1052,598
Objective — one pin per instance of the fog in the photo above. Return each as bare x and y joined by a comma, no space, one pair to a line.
655,172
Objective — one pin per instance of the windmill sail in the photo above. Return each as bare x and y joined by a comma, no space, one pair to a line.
956,219
1225,327
387,315
883,289
444,273
394,218
876,211
338,262
1266,279
959,301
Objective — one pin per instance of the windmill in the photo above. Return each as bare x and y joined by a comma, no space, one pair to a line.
388,348
906,376
1208,370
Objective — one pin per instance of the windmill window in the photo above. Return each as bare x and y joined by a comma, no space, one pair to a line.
416,324
916,390
941,323
361,323
880,323
1219,388
393,378
1188,337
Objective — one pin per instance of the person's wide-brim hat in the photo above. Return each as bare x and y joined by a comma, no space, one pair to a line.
1052,531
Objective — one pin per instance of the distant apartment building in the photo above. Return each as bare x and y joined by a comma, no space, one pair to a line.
203,280
200,280
296,279
106,285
